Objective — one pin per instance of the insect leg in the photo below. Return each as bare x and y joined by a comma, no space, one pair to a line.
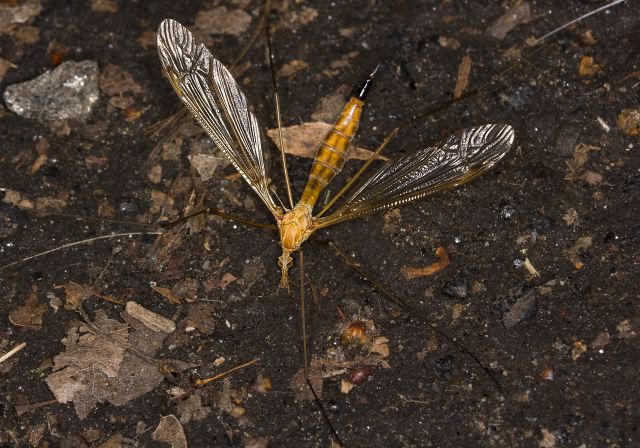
413,311
276,100
325,417
221,214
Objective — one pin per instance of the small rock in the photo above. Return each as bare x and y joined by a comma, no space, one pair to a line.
517,306
68,92
507,212
456,289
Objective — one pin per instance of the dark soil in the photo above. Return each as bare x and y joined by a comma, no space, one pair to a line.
551,391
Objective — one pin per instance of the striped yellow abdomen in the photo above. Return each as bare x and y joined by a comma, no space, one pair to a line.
330,157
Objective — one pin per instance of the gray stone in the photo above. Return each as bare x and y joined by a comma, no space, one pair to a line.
69,92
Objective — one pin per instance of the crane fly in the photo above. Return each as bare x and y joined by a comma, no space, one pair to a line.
210,93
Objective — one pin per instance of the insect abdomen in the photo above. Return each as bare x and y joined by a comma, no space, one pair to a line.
331,153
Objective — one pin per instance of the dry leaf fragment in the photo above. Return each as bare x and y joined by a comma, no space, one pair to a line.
104,6
346,386
96,367
170,431
518,14
303,141
30,314
627,329
115,81
588,66
155,173
578,348
573,253
147,39
151,320
411,273
587,38
88,360
601,340
39,162
296,18
380,345
200,317
192,409
330,106
571,217
166,293
10,16
629,122
227,279
220,20
449,42
290,69
464,69
256,442
206,164
592,178
580,157
548,439
75,294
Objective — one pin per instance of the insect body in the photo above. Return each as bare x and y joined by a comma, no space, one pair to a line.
212,95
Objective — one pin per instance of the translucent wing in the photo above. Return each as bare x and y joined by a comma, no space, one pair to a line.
209,91
465,155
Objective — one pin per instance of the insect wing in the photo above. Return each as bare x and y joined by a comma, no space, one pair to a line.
463,156
209,91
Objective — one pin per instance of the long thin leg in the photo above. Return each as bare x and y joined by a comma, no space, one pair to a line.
306,354
224,215
76,243
390,296
276,100
303,315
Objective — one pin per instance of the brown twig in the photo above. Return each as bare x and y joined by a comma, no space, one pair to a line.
12,352
203,381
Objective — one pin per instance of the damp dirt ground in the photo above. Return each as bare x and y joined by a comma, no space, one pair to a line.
542,285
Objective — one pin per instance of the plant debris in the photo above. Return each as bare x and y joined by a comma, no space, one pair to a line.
170,431
588,67
411,273
29,315
574,252
303,141
221,20
97,366
629,122
517,14
462,81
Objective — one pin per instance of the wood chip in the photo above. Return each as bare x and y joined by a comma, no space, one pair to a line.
464,69
530,268
588,66
150,319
